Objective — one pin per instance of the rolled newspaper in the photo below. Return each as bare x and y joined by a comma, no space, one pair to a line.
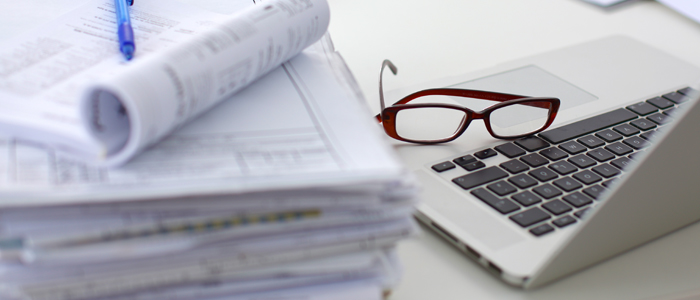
143,103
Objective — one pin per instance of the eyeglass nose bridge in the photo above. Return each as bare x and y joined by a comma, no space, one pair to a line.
484,116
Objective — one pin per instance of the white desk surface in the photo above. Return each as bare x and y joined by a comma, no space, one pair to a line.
438,38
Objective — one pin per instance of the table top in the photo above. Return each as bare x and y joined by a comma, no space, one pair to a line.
433,39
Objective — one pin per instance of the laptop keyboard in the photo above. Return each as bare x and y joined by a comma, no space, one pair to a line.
551,179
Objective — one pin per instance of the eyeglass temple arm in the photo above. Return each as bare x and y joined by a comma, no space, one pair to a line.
393,69
484,95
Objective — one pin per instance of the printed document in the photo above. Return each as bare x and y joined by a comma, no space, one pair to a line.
66,86
211,184
303,124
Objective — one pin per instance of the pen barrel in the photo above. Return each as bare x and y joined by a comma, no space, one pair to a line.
126,36
122,10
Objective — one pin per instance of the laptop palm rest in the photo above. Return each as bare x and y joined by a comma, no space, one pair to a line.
466,216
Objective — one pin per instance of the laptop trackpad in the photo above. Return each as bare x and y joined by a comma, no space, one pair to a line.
467,214
530,81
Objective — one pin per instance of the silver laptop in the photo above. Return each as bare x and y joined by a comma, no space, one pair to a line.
618,167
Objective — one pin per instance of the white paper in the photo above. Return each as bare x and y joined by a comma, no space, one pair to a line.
190,233
44,72
146,101
231,261
198,58
301,134
310,130
323,289
365,290
74,219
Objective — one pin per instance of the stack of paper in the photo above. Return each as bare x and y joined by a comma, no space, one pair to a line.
200,248
284,190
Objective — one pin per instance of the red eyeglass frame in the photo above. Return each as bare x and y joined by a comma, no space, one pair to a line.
387,116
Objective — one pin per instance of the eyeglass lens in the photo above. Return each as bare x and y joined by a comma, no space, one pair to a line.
429,123
519,119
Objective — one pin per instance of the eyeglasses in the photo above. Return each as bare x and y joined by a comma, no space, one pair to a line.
432,122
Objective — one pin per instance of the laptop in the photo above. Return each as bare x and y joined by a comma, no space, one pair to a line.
615,170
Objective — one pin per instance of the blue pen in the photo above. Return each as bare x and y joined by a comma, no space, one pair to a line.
126,34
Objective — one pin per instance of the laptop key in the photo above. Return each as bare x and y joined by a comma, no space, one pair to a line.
643,124
687,91
530,217
660,102
473,166
443,166
486,153
636,142
626,129
577,200
526,198
609,183
510,150
554,153
582,161
659,118
502,188
564,221
633,156
542,229
563,167
547,191
523,181
591,141
594,191
587,177
573,147
642,108
480,177
676,97
648,135
619,149
601,155
514,166
532,143
587,126
579,214
621,163
567,184
503,206
557,207
543,174
467,159
609,135
534,160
